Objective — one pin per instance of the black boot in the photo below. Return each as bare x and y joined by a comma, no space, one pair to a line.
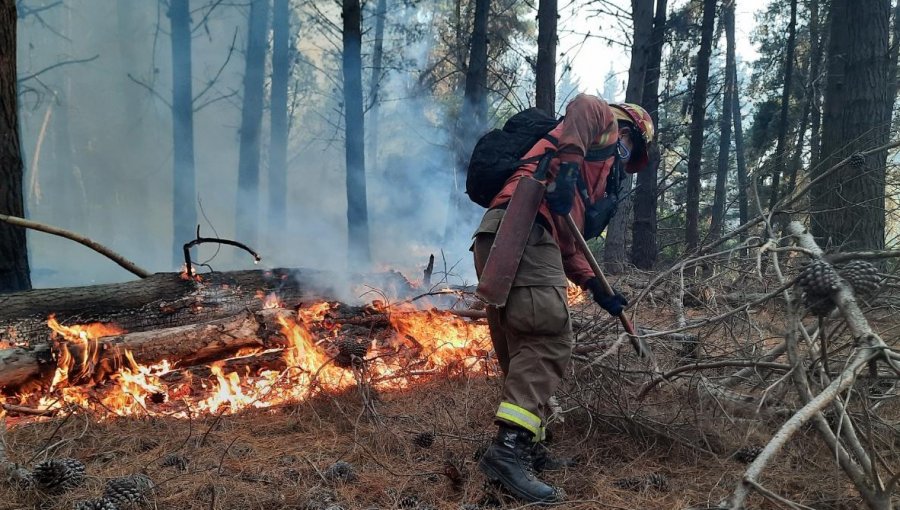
508,460
542,461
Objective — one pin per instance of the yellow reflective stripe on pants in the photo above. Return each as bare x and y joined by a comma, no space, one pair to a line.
521,417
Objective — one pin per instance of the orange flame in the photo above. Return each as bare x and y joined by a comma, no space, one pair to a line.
575,295
85,337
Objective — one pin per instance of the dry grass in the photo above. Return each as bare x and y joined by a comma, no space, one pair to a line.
278,458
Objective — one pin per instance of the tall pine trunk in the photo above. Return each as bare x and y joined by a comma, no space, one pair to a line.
698,115
473,116
817,52
847,206
643,245
14,272
545,69
375,85
796,160
642,14
894,54
354,133
281,65
247,219
184,213
725,122
739,154
781,145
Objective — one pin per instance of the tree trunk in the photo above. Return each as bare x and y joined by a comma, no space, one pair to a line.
184,345
817,52
643,246
473,116
725,122
847,206
354,133
796,159
184,213
281,65
698,115
545,69
614,252
14,271
165,299
743,204
894,54
781,145
247,206
375,85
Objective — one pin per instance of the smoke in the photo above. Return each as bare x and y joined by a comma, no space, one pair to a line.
112,181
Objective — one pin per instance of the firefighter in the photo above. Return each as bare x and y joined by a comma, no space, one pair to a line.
532,334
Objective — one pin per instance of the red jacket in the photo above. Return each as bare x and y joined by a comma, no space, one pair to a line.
589,123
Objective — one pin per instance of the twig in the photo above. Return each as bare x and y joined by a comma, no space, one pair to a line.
78,238
704,366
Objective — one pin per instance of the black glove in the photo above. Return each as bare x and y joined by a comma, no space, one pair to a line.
561,192
614,304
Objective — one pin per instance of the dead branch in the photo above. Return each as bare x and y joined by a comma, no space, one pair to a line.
78,238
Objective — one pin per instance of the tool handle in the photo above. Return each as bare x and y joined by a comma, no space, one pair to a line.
586,250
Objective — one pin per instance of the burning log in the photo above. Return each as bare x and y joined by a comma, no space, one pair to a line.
185,345
166,299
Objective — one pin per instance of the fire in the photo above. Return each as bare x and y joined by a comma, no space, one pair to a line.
418,343
575,295
270,300
83,338
193,276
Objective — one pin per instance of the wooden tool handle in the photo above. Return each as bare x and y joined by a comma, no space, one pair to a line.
638,344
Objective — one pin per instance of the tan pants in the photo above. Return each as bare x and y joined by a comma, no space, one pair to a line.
532,334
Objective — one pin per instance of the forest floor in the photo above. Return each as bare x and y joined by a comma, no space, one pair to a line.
281,458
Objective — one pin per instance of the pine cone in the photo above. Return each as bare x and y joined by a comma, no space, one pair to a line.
818,277
176,460
857,160
349,352
127,490
58,475
818,281
424,439
96,504
862,276
632,483
747,454
340,471
408,502
657,481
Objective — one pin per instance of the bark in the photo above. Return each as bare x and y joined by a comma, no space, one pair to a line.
725,122
781,144
281,65
847,206
894,54
698,115
354,133
14,271
165,299
545,68
740,156
184,213
375,85
643,246
473,116
614,252
247,206
183,345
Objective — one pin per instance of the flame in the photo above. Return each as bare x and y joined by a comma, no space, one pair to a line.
270,300
423,342
575,295
194,276
85,337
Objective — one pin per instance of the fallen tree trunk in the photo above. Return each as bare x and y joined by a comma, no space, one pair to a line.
165,299
184,345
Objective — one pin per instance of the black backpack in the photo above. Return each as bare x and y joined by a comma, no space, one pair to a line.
499,153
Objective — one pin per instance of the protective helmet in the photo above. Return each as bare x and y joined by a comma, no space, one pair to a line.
643,126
